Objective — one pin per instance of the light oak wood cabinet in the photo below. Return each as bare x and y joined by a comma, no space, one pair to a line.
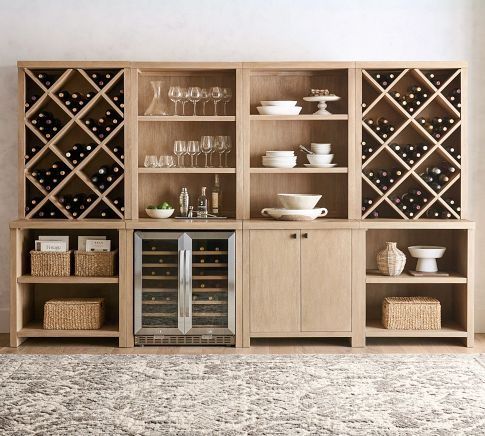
300,281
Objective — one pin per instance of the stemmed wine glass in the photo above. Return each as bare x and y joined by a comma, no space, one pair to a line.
179,148
184,98
220,147
204,98
206,145
194,96
175,94
193,148
226,97
216,95
228,149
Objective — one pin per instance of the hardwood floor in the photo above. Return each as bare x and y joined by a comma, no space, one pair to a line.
260,346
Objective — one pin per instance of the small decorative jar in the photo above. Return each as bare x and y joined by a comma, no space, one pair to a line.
391,260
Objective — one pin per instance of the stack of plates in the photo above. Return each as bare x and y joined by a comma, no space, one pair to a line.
279,159
279,107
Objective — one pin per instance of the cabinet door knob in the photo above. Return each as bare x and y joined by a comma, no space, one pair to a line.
293,236
305,235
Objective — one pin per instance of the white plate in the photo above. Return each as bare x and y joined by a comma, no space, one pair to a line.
280,154
279,165
321,165
322,98
279,110
279,103
294,214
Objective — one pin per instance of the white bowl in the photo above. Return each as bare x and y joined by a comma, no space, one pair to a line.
321,148
299,201
295,214
159,213
280,153
279,110
319,159
427,255
279,103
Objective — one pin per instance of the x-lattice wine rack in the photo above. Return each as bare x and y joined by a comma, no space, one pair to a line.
43,90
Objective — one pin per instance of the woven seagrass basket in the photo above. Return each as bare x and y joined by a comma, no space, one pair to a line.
74,314
94,263
50,263
411,313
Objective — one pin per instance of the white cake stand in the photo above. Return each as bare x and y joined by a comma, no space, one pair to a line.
427,256
322,102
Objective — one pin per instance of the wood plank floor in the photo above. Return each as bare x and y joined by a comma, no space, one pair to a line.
260,346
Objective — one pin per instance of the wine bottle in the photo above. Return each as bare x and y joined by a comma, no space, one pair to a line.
202,204
216,195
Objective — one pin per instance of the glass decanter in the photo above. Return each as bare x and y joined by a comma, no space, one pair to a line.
156,106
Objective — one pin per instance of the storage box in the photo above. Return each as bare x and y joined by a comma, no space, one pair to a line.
411,313
94,263
74,314
50,263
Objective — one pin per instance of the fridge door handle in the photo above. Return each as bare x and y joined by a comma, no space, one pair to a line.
188,283
181,289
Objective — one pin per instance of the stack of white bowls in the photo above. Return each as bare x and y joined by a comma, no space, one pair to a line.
296,207
322,156
279,107
279,159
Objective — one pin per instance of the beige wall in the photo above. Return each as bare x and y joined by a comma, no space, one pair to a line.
240,30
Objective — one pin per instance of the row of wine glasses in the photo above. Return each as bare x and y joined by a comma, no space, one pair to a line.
194,94
208,145
153,161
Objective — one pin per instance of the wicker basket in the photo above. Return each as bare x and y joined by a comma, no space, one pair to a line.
411,313
74,314
94,263
50,263
391,260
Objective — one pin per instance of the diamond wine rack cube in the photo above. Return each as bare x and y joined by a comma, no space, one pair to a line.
411,143
73,143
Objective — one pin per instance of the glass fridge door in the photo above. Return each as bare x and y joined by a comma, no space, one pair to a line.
210,288
160,283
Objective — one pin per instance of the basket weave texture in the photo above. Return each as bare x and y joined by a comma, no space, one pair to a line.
50,263
74,314
391,260
411,313
94,263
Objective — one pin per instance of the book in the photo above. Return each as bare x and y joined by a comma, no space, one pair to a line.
98,245
51,238
81,241
59,246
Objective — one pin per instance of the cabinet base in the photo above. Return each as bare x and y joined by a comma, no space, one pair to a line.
185,340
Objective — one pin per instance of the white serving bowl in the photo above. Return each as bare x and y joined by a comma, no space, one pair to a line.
299,201
280,153
159,213
427,255
279,103
320,159
321,148
279,110
295,214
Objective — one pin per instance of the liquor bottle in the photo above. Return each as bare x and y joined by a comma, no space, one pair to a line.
216,196
202,204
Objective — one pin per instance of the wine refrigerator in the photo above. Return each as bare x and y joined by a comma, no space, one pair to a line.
184,288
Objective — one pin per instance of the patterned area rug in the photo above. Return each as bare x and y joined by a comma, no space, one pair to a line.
233,395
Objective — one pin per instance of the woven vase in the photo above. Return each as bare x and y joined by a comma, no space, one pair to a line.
391,260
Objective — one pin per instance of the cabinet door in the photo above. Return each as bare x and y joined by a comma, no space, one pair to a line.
326,280
274,281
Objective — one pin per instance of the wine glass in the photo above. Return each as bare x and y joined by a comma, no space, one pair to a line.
216,95
184,98
206,145
192,148
197,152
228,149
175,94
151,161
179,150
194,97
220,147
226,97
204,98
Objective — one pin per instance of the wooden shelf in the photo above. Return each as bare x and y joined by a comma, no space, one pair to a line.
333,117
375,329
186,118
335,170
142,170
35,330
376,277
67,280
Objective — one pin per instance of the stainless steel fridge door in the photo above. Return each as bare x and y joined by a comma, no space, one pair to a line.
160,283
210,299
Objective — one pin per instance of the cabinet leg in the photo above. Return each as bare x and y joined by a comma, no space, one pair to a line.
15,341
357,341
470,341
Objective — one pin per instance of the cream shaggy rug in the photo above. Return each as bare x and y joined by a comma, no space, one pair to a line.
242,395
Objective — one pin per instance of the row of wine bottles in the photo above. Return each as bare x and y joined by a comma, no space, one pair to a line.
47,124
384,178
412,99
30,101
118,151
410,153
382,127
75,101
385,78
31,151
119,99
76,204
101,78
104,126
455,98
46,79
454,151
105,176
50,177
411,202
437,127
438,176
367,150
78,152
